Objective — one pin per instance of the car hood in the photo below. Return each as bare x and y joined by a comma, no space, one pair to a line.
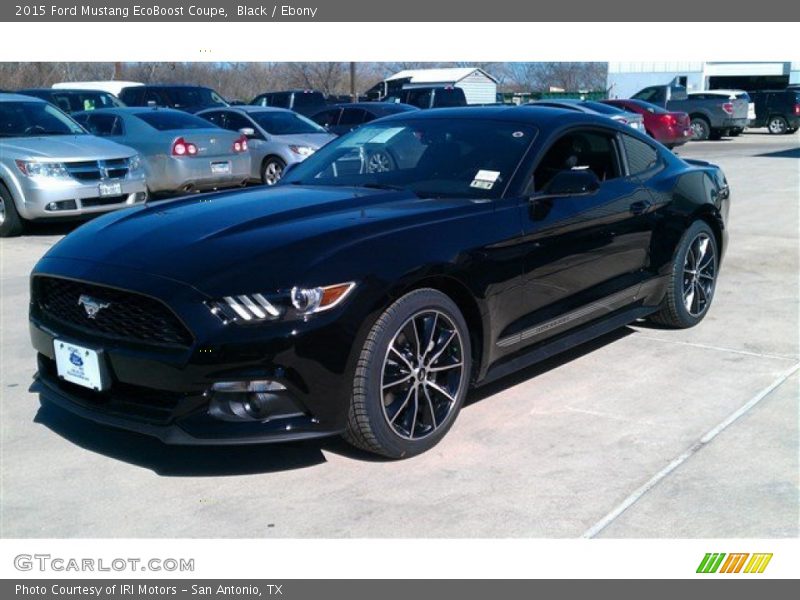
217,243
314,140
65,148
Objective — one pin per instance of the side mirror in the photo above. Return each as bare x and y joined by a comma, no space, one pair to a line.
575,182
248,132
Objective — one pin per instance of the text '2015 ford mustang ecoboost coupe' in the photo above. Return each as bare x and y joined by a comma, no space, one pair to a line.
386,274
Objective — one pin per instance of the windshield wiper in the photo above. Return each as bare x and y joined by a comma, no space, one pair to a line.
383,186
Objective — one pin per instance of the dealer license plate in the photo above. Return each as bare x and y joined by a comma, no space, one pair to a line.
220,168
79,365
110,189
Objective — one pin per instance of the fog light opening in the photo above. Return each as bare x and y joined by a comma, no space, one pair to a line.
260,400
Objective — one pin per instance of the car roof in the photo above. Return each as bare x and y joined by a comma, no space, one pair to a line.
14,97
544,117
292,91
132,110
247,108
171,85
62,91
382,107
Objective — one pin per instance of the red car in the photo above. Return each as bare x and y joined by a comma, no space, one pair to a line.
670,128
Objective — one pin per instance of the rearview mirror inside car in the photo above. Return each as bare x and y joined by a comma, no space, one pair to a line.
574,182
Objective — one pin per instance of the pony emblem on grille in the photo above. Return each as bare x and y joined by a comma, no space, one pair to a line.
92,306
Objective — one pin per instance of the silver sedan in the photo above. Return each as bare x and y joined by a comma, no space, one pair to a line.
277,137
180,152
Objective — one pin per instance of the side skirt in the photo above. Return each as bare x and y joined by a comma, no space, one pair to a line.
570,339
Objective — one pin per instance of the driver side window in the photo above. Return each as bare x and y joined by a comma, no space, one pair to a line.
579,150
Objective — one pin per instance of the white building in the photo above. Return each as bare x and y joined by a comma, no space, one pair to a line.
479,87
627,78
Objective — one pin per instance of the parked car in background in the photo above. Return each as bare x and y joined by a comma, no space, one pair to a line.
731,95
113,86
777,110
430,97
341,118
670,128
276,137
364,303
625,117
180,152
71,101
189,98
305,102
50,167
711,116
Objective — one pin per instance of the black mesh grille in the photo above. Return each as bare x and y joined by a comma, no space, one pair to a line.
127,316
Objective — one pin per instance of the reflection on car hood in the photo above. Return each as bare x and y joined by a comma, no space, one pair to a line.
63,148
217,241
314,140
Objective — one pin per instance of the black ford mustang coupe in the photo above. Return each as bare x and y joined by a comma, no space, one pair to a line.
396,267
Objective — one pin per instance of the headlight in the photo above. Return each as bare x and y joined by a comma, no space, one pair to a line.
299,303
302,150
42,169
134,163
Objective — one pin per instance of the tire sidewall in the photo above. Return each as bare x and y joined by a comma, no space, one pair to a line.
782,128
686,318
401,311
13,223
705,128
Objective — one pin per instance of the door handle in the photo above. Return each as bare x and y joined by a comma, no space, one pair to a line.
640,207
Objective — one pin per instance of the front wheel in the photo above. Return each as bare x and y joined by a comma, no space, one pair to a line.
411,377
692,281
11,224
272,170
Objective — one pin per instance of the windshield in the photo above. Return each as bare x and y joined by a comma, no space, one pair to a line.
29,119
168,120
434,158
651,108
285,123
196,97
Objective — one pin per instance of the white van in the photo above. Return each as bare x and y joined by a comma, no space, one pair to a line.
112,87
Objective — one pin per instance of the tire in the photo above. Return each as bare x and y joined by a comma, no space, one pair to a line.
415,409
690,290
11,224
735,132
380,162
701,129
272,170
717,134
777,125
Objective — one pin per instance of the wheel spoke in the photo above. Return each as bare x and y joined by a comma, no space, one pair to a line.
444,367
416,411
398,382
688,297
437,388
403,358
414,337
444,346
403,405
429,336
430,407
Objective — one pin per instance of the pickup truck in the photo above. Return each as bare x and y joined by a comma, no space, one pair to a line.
712,116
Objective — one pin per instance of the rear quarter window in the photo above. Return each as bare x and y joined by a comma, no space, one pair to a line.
641,156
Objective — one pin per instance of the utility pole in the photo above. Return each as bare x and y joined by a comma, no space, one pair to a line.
117,71
353,93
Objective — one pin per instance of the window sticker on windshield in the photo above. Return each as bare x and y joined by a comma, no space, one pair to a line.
483,185
484,175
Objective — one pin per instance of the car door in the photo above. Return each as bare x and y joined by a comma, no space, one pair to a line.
580,251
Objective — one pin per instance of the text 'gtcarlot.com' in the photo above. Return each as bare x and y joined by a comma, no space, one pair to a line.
46,562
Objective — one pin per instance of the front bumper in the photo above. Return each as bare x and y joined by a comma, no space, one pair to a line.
165,392
37,195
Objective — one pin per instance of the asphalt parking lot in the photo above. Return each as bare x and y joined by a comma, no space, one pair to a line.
643,433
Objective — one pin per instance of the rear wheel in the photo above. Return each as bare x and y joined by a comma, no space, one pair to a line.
11,224
412,376
701,130
777,125
272,170
693,278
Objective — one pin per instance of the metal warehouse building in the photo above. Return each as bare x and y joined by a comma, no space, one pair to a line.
479,87
627,78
